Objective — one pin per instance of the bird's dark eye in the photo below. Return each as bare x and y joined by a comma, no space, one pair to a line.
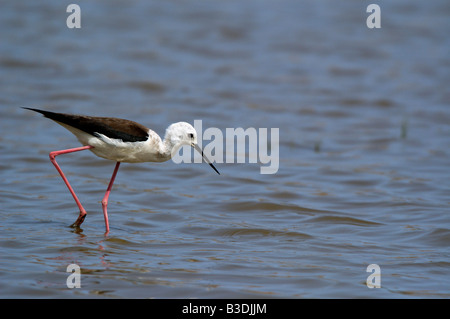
191,135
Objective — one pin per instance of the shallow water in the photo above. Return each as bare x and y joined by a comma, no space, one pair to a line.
363,153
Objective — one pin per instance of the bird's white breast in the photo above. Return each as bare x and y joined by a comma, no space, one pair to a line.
130,152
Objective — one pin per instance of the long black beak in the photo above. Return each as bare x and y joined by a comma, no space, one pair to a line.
204,157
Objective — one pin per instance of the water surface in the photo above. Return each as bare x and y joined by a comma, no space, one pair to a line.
364,149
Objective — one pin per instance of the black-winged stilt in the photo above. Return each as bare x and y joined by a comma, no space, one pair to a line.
121,141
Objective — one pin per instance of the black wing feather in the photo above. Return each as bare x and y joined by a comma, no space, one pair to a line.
125,130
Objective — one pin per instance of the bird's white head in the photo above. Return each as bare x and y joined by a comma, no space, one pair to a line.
182,133
179,134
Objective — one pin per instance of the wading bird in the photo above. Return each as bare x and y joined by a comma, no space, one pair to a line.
120,140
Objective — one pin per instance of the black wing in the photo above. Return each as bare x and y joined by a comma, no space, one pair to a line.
125,130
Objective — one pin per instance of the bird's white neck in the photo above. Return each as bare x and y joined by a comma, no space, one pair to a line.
170,146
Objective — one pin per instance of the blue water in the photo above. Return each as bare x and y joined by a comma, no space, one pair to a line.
363,116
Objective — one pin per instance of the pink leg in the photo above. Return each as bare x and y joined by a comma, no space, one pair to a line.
52,155
105,198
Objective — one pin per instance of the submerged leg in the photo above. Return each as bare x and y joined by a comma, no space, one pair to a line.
52,156
105,198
